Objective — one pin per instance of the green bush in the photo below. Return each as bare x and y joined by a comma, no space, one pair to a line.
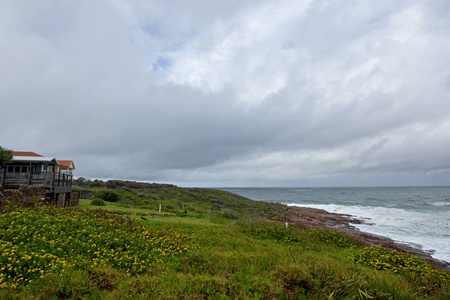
98,202
109,196
97,183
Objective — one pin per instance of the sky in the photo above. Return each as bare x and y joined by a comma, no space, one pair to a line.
275,93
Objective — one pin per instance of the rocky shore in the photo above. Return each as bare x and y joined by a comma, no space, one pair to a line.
317,218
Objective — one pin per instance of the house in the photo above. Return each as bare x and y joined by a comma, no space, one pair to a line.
29,168
65,166
25,153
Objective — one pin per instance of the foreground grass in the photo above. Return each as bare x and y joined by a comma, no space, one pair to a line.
195,252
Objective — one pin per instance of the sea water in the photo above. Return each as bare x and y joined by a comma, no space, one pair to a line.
418,216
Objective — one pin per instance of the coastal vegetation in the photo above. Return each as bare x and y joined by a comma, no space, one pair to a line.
166,242
6,156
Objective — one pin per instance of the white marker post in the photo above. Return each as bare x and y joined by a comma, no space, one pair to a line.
160,208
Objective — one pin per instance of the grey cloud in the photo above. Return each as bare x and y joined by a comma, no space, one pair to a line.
323,93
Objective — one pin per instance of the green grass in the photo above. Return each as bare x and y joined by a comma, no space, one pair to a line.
219,249
203,201
111,206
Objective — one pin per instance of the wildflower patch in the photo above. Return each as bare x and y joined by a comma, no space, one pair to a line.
398,262
35,243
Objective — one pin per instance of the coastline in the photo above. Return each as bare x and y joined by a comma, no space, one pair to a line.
307,217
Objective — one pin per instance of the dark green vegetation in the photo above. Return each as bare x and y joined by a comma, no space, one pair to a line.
6,156
98,202
196,202
204,244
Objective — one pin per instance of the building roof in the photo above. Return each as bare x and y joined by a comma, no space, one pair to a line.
25,153
29,156
66,163
34,159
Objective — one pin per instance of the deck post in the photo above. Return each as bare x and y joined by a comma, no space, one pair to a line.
52,184
30,170
3,175
29,177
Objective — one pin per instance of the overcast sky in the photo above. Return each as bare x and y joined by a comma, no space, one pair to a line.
231,93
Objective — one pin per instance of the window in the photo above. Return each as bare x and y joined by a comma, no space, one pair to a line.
17,170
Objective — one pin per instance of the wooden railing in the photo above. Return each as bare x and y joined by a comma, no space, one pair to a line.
48,179
63,180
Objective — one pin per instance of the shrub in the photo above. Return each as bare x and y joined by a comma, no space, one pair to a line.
109,196
97,183
179,204
98,202
229,214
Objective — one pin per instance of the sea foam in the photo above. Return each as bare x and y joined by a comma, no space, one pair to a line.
440,204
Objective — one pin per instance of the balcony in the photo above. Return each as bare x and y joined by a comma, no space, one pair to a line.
59,182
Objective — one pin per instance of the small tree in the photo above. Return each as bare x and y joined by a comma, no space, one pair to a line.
6,156
82,182
97,183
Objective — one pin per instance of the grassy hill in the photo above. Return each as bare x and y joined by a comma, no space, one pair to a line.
204,244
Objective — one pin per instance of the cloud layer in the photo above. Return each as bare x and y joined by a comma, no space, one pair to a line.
240,93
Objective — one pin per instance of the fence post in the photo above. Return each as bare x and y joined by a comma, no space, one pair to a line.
3,175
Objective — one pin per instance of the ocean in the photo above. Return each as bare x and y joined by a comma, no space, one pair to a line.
417,216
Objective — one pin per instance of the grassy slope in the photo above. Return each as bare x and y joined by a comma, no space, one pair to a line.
234,253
